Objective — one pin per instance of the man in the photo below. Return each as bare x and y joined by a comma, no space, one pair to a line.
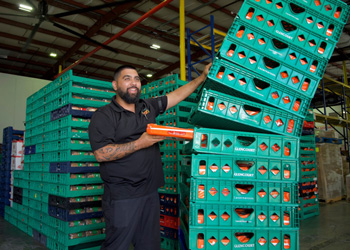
130,162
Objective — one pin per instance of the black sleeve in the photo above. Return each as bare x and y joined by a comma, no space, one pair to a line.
159,104
101,131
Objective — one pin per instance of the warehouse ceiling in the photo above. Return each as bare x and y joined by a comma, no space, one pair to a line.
73,28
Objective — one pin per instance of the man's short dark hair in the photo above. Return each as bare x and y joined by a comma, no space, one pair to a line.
119,69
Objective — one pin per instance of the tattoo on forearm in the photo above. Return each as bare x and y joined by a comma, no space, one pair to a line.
113,152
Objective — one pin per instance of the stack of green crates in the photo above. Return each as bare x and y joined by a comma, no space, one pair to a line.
308,190
243,191
245,162
171,156
60,184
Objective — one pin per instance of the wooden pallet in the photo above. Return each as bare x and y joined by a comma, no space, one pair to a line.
329,201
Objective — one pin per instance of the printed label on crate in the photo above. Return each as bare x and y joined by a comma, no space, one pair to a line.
245,149
244,245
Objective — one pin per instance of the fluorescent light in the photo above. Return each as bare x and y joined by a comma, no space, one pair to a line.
25,7
149,75
52,54
155,46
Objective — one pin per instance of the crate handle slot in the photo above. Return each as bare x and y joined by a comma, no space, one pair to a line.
245,140
244,212
278,44
245,165
260,85
244,188
296,9
288,27
244,237
250,110
270,64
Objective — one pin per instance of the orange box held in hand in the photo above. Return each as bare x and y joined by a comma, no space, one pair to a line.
171,133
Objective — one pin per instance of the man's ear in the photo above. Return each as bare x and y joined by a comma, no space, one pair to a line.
114,85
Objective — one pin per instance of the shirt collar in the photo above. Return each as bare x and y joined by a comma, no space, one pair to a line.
117,107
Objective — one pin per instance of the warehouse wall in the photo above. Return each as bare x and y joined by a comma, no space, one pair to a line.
14,91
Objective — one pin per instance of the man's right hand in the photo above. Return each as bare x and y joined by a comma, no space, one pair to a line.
146,140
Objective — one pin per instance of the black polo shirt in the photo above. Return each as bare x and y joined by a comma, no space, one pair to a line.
141,172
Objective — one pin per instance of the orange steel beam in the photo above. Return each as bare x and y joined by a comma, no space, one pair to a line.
130,26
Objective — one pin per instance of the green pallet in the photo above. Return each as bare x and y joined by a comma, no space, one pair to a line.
239,143
228,191
75,191
244,168
220,111
67,121
73,179
221,239
245,216
234,80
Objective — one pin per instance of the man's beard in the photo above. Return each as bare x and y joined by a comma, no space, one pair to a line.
129,98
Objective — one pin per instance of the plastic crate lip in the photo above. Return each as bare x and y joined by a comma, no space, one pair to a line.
240,71
237,121
292,21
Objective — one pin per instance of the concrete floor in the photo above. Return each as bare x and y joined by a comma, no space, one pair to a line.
330,230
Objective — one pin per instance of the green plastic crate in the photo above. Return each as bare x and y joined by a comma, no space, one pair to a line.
239,143
244,168
264,65
171,177
169,244
243,192
286,29
173,82
68,76
68,121
70,155
244,216
321,23
266,59
84,101
75,191
169,188
174,121
183,109
221,111
253,239
63,238
82,89
73,179
236,81
76,226
67,143
67,132
95,244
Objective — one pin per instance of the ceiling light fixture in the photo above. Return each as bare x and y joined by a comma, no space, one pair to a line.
149,75
155,46
52,54
25,7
